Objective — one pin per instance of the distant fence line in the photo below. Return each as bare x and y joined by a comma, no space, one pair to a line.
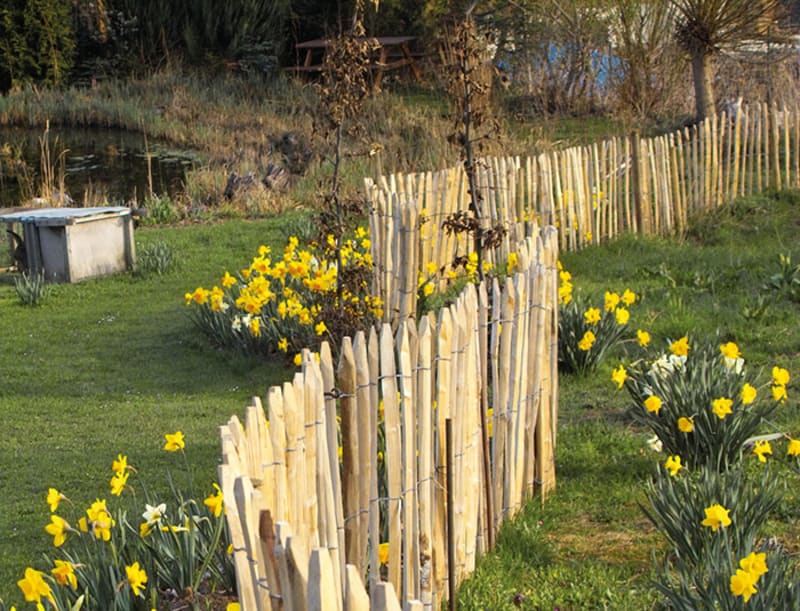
307,523
590,193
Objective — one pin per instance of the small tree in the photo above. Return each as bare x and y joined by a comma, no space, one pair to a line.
344,88
705,27
651,62
469,84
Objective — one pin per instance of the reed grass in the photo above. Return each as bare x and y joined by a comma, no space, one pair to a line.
230,121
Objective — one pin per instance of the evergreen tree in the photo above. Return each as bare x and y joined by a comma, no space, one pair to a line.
37,42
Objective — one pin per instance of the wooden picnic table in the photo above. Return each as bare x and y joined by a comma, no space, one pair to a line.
392,52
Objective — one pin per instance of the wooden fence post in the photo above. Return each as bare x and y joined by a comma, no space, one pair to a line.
641,198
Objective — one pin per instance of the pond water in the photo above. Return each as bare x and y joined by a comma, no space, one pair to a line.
99,164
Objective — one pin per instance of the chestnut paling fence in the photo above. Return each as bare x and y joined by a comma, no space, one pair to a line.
308,519
307,523
590,193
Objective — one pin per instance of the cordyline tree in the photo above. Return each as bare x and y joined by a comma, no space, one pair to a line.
705,27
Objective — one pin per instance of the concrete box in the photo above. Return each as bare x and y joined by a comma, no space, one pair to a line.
70,244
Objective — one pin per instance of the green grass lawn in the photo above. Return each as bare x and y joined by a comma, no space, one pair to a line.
109,366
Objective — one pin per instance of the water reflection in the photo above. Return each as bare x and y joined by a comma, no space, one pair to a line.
98,164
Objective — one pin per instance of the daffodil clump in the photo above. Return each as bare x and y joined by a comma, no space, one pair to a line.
705,410
588,331
284,302
701,402
718,555
133,553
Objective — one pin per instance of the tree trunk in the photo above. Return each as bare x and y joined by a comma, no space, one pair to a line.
703,73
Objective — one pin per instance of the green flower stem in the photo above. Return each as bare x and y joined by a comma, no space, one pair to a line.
188,473
210,552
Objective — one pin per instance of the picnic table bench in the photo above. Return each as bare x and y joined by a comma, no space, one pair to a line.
392,52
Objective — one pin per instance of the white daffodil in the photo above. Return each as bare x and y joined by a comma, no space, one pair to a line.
153,515
662,367
654,443
735,365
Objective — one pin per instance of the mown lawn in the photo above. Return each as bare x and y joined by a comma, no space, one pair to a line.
109,366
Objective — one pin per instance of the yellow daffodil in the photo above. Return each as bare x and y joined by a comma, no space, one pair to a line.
619,375
730,351
587,341
118,483
622,316
512,262
283,345
383,553
102,526
592,316
145,529
233,607
255,327
200,295
716,516
779,393
64,573
743,584
298,359
564,293
673,465
722,407
680,347
653,404
214,502
643,337
611,301
780,376
54,497
136,578
174,441
628,297
428,289
120,464
685,425
227,280
755,563
58,527
761,449
748,394
794,447
320,328
34,587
